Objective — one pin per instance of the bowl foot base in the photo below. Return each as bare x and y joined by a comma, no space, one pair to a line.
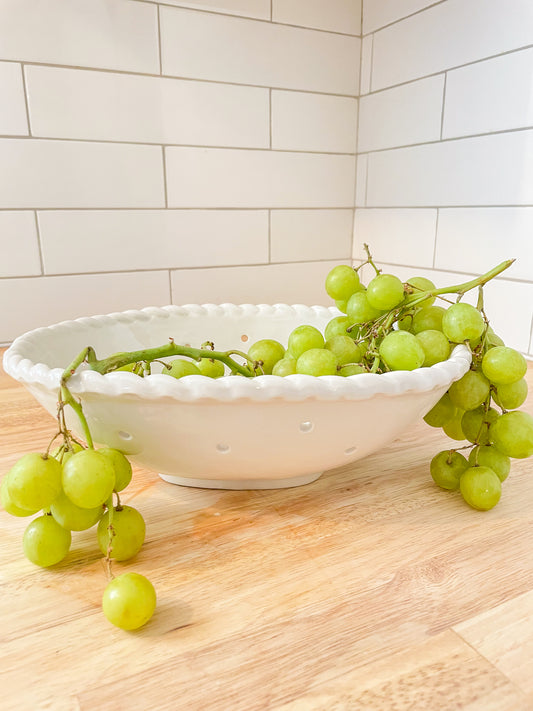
241,484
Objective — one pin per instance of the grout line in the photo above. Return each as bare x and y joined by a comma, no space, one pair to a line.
371,66
443,105
447,207
26,102
366,182
357,141
159,44
270,119
269,222
435,238
164,165
405,17
39,243
271,10
171,295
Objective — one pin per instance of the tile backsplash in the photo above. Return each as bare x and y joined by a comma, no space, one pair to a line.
218,150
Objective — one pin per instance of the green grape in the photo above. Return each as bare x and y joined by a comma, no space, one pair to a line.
129,531
503,365
352,369
405,323
345,349
489,456
317,361
441,413
129,368
129,601
342,305
453,426
428,319
446,469
63,453
341,282
336,327
400,350
45,542
34,481
121,465
211,368
179,368
72,517
477,423
462,322
384,292
285,366
510,397
266,352
419,285
481,488
302,338
470,391
435,345
359,310
512,434
88,479
7,503
491,339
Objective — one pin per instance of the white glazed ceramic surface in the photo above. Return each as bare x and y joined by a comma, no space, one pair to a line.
234,432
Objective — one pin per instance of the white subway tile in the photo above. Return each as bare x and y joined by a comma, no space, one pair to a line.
313,122
402,115
297,283
479,238
219,177
448,35
493,95
300,235
487,170
378,13
13,119
19,246
111,34
42,173
222,48
42,301
361,180
366,64
335,15
122,240
396,236
247,8
121,107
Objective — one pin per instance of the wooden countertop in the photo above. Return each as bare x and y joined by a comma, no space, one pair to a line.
369,589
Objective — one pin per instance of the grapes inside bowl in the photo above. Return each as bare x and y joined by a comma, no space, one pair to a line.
231,432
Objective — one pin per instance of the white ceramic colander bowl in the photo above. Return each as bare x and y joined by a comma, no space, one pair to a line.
234,432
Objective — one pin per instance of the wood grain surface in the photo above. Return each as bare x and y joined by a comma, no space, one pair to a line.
369,589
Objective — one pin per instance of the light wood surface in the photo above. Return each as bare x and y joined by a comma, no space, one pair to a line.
369,589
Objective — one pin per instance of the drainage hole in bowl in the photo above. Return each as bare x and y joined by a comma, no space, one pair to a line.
223,448
306,427
350,450
244,338
126,436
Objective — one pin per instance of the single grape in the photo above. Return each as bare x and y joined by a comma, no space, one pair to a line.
64,452
341,282
211,368
34,481
435,345
129,601
400,350
336,327
405,323
453,426
510,397
317,361
384,292
285,366
88,479
492,339
512,434
342,305
7,503
121,465
446,469
129,532
303,338
481,488
352,369
179,368
462,322
359,309
470,391
476,424
441,413
503,365
420,284
266,352
45,542
72,517
345,349
489,456
428,319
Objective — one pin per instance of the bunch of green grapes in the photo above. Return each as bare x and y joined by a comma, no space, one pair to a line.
72,489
